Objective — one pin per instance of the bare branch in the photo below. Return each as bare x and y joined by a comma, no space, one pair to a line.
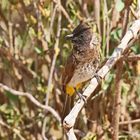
11,38
56,48
97,14
32,99
117,101
44,128
16,131
64,12
129,122
131,57
71,134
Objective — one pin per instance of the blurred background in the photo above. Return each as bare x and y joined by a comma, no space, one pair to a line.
33,51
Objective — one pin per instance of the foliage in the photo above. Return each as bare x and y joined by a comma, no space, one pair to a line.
31,47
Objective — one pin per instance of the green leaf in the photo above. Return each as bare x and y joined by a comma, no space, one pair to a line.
108,80
116,34
136,48
125,88
32,33
5,4
38,50
11,96
119,5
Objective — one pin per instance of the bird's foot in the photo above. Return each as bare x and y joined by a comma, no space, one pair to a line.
82,97
99,78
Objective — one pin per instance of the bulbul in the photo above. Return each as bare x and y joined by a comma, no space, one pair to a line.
82,63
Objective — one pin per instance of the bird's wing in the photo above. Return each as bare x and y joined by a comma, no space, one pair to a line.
66,77
68,70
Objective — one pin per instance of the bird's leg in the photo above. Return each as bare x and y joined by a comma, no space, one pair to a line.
82,97
99,78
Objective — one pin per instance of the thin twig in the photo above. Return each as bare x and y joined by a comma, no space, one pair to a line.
131,57
56,48
125,20
85,8
16,131
134,134
117,101
52,19
64,12
97,14
32,99
11,37
129,122
133,12
44,129
108,28
136,14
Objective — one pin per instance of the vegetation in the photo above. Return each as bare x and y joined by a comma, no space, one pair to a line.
33,51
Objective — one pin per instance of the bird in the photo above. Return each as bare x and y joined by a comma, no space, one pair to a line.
82,63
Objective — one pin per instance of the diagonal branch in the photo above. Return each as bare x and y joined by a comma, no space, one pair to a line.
131,34
32,99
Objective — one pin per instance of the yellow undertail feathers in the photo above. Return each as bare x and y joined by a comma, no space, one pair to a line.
70,90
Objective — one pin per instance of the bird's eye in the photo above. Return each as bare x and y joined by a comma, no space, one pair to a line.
81,36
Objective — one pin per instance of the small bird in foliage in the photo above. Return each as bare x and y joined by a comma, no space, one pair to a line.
82,63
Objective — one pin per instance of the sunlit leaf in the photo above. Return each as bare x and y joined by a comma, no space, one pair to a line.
32,32
4,4
119,5
38,50
125,88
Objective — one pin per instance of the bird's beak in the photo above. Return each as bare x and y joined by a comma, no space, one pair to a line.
70,36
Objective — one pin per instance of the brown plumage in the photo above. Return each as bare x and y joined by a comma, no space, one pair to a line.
83,61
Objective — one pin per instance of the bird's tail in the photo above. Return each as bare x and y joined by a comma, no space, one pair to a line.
68,104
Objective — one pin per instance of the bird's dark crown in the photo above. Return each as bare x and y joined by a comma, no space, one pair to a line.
80,29
81,36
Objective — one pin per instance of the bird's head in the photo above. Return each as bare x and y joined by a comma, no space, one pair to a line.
81,35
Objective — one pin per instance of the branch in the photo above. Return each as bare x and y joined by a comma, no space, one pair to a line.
129,122
16,131
131,57
71,134
56,48
117,101
97,14
32,99
63,11
136,14
131,34
11,43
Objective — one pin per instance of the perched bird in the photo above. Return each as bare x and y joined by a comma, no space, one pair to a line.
82,63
